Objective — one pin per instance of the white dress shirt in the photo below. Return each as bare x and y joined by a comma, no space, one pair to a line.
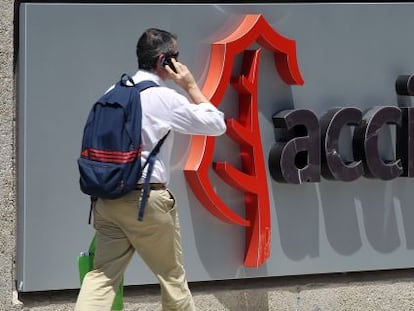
164,109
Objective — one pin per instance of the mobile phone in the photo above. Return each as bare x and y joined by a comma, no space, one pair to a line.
167,61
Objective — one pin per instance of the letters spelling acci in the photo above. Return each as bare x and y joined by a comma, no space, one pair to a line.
308,148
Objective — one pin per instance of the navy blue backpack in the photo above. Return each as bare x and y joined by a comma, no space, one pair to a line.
110,160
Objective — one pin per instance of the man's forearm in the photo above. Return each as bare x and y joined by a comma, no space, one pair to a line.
196,95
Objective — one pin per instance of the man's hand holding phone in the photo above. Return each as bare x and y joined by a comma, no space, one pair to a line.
184,78
167,62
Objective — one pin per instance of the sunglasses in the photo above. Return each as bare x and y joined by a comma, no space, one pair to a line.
172,55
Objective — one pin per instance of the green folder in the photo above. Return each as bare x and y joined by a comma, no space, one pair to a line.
85,263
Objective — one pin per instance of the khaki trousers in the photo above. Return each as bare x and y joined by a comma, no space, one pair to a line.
157,240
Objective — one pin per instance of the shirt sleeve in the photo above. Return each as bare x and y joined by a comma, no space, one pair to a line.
201,119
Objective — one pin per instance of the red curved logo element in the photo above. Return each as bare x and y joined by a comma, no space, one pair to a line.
252,180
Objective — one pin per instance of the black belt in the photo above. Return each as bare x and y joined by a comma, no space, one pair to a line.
153,186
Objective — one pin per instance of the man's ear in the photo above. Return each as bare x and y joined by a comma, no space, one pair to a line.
161,61
160,68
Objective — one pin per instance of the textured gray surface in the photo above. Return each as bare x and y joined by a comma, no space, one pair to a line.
7,173
381,291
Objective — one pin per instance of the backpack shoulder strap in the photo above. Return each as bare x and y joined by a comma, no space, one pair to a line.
143,85
121,92
125,78
156,149
150,162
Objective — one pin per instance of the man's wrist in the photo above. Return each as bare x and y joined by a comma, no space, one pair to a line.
192,87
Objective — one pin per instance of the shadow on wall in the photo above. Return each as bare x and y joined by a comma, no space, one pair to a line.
350,215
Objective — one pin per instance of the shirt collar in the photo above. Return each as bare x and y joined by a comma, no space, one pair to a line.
142,75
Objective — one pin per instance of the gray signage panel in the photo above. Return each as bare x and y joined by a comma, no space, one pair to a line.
349,55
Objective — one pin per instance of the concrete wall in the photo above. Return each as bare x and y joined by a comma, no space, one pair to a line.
390,290
7,155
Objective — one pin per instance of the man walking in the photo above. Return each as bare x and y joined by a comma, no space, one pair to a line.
157,238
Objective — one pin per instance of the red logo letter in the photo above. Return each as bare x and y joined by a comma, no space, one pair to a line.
245,131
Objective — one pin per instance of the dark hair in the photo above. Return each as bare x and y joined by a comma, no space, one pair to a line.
152,43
